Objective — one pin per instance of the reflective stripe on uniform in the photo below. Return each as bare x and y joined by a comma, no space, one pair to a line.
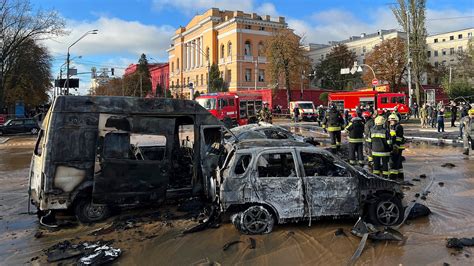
401,147
380,154
369,140
351,140
378,135
394,172
399,139
334,128
376,172
385,172
370,159
393,133
389,141
352,161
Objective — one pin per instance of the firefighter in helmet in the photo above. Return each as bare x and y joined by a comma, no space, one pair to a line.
468,132
355,128
398,140
381,145
333,124
265,115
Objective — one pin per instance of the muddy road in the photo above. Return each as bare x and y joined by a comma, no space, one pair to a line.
160,240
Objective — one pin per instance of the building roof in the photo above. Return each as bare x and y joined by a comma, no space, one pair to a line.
442,33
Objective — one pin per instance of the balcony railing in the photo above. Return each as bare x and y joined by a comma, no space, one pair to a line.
262,59
248,58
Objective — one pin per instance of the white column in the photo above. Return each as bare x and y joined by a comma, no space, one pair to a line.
198,50
202,52
183,59
188,58
193,58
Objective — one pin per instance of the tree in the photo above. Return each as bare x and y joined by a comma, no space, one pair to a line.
388,61
113,87
29,77
216,81
462,75
20,24
286,59
323,97
416,27
144,76
329,69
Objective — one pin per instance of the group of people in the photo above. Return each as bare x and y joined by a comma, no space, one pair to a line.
382,135
434,115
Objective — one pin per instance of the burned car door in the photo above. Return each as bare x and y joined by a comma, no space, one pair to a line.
330,189
212,154
278,184
135,165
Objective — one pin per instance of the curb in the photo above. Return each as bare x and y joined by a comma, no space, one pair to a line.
437,140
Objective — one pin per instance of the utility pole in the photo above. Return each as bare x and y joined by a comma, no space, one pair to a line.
141,88
410,91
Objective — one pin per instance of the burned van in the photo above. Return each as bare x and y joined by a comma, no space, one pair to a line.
95,152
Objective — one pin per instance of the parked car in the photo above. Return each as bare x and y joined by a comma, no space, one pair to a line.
3,119
265,182
264,130
20,125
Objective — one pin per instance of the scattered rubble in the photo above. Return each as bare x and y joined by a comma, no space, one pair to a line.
422,176
418,210
459,243
228,245
340,232
441,184
252,243
84,253
448,165
416,179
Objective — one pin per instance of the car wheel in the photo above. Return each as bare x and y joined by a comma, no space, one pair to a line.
34,131
86,212
387,210
256,220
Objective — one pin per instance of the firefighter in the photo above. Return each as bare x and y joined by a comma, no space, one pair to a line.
356,139
381,146
398,140
333,123
468,132
395,111
369,124
265,115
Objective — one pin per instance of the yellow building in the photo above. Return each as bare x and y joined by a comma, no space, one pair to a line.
231,39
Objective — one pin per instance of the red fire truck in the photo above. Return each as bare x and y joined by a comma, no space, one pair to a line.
237,106
379,99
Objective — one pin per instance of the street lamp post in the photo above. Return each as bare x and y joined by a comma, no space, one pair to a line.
68,55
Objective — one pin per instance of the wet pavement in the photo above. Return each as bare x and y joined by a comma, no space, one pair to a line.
162,242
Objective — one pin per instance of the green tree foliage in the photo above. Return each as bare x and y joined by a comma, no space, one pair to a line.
139,82
113,87
416,26
324,97
21,26
286,59
462,75
215,79
329,69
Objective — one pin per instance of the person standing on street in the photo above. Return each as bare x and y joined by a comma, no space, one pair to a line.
333,124
320,114
381,145
468,136
398,140
356,140
296,112
265,115
369,124
415,110
424,116
465,107
454,113
440,119
434,115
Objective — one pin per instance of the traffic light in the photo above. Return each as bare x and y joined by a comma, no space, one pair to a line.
112,71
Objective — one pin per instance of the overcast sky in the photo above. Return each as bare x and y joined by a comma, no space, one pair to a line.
128,28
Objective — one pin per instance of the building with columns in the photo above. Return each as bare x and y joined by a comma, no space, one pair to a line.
231,39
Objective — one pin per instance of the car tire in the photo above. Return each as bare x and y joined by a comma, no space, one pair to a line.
386,210
34,131
256,220
86,212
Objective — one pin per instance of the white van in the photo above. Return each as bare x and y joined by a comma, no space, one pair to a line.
307,110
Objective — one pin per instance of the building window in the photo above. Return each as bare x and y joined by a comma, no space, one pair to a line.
429,53
460,36
435,40
451,38
469,34
202,79
248,27
248,48
435,53
248,74
436,64
261,75
444,40
187,83
197,80
443,52
451,51
260,49
261,28
222,74
443,63
229,75
172,66
177,64
208,53
172,84
229,49
222,51
460,49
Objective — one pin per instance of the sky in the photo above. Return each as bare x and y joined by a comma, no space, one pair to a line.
128,28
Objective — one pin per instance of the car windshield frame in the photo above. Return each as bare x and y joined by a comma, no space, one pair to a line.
8,122
204,101
306,106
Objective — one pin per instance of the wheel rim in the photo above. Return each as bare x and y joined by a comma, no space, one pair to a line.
256,220
94,211
388,213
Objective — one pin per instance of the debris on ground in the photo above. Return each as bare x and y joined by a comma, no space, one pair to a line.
228,245
459,243
252,243
417,195
422,176
448,165
85,253
423,197
407,183
418,210
441,184
38,234
340,232
211,221
388,234
416,179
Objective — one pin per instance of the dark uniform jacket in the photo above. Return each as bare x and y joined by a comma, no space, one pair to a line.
333,120
380,141
396,132
356,130
369,124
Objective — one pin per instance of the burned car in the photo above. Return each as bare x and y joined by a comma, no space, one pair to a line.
264,130
95,153
267,182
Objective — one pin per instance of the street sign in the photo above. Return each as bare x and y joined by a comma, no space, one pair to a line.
61,83
345,71
353,70
375,82
359,69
